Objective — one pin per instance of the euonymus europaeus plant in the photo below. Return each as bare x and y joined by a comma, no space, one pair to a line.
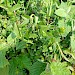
37,37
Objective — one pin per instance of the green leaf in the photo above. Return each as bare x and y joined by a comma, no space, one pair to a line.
37,68
64,6
3,46
12,67
25,61
45,73
65,27
61,12
44,33
67,30
16,30
72,12
8,9
36,19
46,2
73,72
4,70
61,23
20,45
47,70
33,36
73,43
26,20
44,48
1,1
19,63
16,7
11,38
73,1
58,68
3,60
44,27
4,7
29,41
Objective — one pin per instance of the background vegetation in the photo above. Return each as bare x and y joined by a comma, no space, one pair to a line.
37,37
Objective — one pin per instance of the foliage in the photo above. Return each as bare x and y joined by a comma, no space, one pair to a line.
37,37
57,68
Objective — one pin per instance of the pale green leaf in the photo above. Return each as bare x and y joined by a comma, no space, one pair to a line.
25,20
11,38
61,12
73,1
1,1
72,12
58,68
3,46
36,19
64,6
73,43
16,31
61,23
45,73
67,30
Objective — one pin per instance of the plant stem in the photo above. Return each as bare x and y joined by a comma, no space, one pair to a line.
51,3
6,3
72,26
61,52
61,0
